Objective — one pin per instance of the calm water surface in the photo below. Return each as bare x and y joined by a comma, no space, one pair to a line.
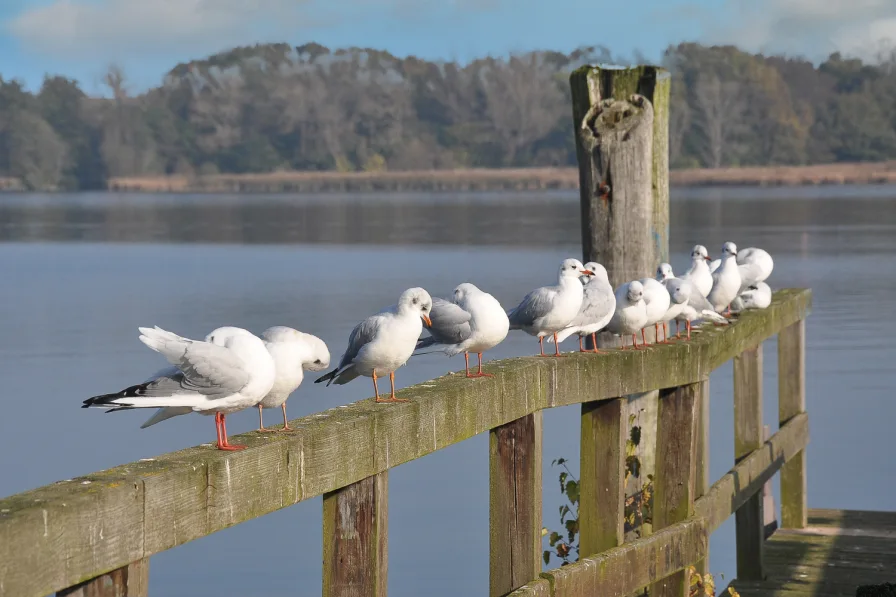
81,272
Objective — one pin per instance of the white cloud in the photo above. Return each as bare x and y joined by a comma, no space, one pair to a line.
83,28
811,28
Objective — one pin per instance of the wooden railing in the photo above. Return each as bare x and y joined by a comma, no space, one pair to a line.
98,531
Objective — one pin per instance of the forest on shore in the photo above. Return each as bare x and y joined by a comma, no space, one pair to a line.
275,108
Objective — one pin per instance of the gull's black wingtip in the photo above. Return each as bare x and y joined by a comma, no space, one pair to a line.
328,377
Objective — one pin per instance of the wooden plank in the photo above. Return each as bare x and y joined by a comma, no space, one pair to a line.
146,507
702,480
732,491
128,581
620,119
769,518
515,463
602,477
536,588
356,555
749,519
676,471
791,402
853,519
626,569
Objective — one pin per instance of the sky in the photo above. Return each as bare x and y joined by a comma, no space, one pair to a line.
81,38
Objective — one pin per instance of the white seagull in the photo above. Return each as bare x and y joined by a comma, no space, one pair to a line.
229,371
631,312
757,296
549,309
688,304
754,264
725,280
384,342
699,272
598,306
657,301
474,321
294,352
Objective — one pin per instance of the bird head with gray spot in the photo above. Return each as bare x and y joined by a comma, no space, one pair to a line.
699,252
598,272
729,249
418,301
573,268
664,272
635,292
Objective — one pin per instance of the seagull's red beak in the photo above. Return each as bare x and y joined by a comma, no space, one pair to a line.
426,320
708,258
586,272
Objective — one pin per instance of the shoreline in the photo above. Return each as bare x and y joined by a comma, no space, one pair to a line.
487,179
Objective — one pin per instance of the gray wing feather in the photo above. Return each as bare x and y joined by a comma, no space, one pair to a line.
534,305
598,302
212,369
450,322
363,333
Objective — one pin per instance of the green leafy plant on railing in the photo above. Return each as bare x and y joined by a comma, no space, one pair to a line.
638,507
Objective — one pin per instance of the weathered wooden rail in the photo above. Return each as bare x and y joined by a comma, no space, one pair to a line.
97,532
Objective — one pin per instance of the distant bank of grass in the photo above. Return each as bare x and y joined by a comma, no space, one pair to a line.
485,179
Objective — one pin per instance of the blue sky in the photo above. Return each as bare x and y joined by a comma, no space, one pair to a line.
79,38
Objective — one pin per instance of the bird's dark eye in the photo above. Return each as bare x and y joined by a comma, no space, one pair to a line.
317,362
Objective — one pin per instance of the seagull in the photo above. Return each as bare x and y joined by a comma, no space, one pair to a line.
474,321
755,265
384,342
699,272
685,297
294,352
631,312
549,309
757,296
598,305
657,301
725,280
228,371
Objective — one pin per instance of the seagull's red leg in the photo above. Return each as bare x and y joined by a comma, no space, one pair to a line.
556,346
376,390
643,338
286,426
220,442
261,426
392,398
581,346
594,342
635,340
227,445
480,373
688,325
467,363
541,346
677,329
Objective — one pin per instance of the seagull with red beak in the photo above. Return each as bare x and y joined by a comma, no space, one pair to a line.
384,342
549,309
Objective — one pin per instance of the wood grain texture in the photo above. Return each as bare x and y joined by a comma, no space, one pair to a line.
702,480
128,581
602,476
620,119
626,569
749,518
791,402
515,479
356,556
676,471
747,478
141,508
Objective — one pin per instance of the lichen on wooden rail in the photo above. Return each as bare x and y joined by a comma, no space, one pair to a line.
93,524
743,481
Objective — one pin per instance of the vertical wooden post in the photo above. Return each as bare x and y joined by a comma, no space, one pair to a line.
602,479
701,483
128,581
622,146
515,454
791,402
749,520
356,539
676,470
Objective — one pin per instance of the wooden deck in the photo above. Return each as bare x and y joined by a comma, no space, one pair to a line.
836,553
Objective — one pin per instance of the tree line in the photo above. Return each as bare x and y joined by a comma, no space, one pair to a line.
277,107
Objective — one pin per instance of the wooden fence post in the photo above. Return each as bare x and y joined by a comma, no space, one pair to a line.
676,470
515,453
791,402
128,581
749,519
702,481
602,478
356,522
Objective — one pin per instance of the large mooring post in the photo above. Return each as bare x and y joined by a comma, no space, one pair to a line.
621,124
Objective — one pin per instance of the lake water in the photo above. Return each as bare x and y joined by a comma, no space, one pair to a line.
80,273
